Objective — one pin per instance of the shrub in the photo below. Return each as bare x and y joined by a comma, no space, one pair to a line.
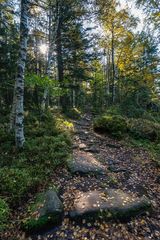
141,128
64,126
73,113
115,125
48,150
15,183
5,136
47,146
40,125
4,214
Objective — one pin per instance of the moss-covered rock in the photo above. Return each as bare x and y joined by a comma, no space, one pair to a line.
115,125
145,129
46,210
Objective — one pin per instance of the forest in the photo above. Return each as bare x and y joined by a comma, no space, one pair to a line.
79,119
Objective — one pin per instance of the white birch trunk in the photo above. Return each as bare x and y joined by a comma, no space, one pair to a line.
19,86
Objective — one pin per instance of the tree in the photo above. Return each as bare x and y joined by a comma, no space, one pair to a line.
117,26
8,50
18,103
152,8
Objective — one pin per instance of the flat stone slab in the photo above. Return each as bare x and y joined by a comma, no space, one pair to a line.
85,163
109,204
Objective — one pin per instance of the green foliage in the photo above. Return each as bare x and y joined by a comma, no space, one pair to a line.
35,224
115,125
47,150
141,132
151,8
145,129
34,221
33,80
47,146
73,113
15,183
4,214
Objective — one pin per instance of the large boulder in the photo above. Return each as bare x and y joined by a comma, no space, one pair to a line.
47,210
108,204
84,163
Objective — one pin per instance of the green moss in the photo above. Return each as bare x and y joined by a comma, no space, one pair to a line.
73,113
33,225
34,222
4,214
48,150
115,125
15,183
47,146
145,129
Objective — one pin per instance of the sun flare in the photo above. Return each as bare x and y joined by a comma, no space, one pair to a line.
43,48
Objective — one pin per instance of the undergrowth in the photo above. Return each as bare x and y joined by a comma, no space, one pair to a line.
47,146
142,130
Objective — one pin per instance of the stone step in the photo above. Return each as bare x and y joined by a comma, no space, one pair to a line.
84,162
109,204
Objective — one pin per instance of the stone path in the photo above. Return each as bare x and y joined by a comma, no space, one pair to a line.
86,163
106,190
109,203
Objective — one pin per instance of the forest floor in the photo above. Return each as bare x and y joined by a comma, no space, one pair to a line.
129,169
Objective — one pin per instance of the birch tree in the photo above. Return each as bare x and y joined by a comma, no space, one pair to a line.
19,84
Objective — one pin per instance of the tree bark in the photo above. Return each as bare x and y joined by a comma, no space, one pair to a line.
59,53
113,67
48,72
19,86
13,112
51,39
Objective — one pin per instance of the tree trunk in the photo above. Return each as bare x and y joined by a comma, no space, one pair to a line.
19,86
59,55
51,39
113,68
13,112
74,94
48,71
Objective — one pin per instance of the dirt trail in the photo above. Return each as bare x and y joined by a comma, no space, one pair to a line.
129,169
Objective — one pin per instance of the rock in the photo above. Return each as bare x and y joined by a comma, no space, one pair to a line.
47,210
114,166
158,179
112,162
92,150
52,204
86,132
75,146
116,169
83,137
82,146
86,163
112,145
109,204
